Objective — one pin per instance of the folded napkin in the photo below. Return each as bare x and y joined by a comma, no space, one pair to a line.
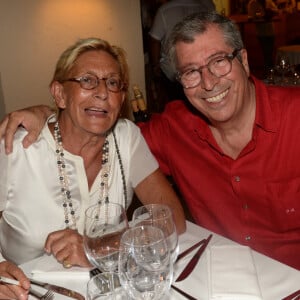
46,267
232,273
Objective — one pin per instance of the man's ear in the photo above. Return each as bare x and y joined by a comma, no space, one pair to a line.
57,92
245,63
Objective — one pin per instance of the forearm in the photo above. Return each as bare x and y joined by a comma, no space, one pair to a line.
32,119
157,189
44,109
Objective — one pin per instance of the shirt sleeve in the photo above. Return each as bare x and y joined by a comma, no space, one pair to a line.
2,258
3,183
140,160
143,161
3,176
154,132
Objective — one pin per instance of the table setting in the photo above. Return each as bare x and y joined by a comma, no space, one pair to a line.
203,265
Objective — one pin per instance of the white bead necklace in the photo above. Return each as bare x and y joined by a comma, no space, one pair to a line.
64,181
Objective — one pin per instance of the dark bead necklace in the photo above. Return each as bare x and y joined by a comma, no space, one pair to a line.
69,211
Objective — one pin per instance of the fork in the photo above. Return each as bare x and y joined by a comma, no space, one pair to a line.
49,295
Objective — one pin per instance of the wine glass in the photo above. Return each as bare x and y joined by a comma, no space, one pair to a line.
270,78
145,268
159,215
105,286
282,67
103,228
296,78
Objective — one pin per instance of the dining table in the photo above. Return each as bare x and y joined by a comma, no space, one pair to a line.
275,279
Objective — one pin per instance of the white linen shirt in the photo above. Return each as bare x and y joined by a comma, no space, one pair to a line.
30,195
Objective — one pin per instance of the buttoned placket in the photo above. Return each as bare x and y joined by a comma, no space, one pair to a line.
236,185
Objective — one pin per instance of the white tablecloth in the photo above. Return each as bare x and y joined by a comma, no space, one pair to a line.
276,280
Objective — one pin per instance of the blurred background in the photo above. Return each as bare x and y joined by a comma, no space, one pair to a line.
34,33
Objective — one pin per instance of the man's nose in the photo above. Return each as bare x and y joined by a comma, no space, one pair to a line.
208,80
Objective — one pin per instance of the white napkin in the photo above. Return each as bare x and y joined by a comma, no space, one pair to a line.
46,267
232,273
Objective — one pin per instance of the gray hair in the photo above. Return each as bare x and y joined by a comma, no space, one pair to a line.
198,23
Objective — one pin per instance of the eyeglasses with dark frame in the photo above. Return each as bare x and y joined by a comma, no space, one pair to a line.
219,67
89,81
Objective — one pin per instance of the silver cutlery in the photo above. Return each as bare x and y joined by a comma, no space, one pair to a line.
58,289
193,262
49,295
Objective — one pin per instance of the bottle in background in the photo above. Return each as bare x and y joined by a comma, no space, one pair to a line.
143,112
135,110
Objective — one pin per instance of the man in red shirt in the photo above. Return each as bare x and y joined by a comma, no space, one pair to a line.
233,149
253,198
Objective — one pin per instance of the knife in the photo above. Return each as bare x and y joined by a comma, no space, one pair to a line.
187,251
58,289
186,295
193,262
293,296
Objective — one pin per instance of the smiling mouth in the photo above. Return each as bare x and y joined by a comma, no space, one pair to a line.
217,98
96,110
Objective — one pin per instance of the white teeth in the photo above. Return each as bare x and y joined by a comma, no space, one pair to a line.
96,109
217,98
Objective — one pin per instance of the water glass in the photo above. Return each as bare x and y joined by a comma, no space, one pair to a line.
105,286
103,228
159,215
145,269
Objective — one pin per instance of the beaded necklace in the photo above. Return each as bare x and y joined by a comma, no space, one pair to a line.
104,173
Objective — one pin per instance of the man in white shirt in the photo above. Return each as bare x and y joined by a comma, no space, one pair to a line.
166,17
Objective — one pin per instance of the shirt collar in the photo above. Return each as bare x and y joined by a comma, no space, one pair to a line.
265,116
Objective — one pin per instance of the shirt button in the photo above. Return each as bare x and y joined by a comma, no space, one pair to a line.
248,238
245,206
237,178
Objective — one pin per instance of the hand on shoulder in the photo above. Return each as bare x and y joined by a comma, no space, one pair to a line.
32,119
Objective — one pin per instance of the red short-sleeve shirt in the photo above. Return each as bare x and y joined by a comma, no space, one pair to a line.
254,199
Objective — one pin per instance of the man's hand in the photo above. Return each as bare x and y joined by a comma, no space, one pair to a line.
31,118
10,291
67,247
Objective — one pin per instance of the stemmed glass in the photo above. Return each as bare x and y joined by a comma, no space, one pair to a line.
283,67
105,286
159,215
104,225
145,269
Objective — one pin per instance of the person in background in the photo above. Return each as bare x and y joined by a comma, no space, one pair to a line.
232,148
286,6
261,12
167,15
85,155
